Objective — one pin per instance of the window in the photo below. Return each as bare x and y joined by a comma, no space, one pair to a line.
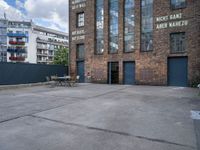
80,19
113,26
99,26
3,39
80,54
147,25
177,4
177,42
129,24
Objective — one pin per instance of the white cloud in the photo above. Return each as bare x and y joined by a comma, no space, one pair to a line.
11,12
19,4
55,12
49,13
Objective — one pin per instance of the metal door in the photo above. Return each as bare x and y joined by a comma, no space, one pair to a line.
113,73
129,73
81,71
178,71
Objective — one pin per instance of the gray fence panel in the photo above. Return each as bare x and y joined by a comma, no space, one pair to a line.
19,73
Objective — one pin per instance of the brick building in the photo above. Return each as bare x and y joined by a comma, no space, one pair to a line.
154,42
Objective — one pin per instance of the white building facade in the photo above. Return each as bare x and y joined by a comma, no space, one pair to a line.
26,42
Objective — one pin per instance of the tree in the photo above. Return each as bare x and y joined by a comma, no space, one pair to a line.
61,56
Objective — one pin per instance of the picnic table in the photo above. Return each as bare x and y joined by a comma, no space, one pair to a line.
63,81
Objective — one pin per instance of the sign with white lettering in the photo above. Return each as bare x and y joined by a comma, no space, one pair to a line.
78,35
164,22
76,4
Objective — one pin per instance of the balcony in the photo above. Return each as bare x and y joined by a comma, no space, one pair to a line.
16,50
16,42
17,35
41,47
17,58
42,54
63,43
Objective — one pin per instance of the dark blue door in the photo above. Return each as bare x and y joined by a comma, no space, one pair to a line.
177,71
129,73
81,71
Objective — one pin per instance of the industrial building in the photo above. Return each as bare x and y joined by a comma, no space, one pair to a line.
152,42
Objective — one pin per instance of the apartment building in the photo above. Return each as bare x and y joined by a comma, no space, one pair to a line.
48,41
23,41
3,40
154,42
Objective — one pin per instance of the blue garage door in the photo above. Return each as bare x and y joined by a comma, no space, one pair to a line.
177,71
81,71
129,73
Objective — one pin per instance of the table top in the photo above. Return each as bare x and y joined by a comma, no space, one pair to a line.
61,78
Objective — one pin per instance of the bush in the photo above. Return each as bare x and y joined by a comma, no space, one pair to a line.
195,82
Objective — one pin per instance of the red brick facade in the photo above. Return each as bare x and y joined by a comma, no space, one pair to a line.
151,67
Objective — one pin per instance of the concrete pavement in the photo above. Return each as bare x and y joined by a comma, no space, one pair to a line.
99,117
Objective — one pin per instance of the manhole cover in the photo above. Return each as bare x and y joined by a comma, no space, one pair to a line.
195,115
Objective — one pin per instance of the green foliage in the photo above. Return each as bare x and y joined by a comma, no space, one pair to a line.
196,81
61,56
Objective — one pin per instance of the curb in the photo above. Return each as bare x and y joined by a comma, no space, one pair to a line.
8,87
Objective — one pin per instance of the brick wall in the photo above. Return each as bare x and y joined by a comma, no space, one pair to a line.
151,67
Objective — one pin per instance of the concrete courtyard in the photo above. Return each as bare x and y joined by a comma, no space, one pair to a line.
99,117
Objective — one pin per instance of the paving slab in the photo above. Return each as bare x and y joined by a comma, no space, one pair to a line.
97,116
152,116
31,133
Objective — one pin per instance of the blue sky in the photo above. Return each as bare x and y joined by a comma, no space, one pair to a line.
48,13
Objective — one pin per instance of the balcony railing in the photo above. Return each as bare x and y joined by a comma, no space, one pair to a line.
51,41
16,50
17,35
42,54
16,42
17,58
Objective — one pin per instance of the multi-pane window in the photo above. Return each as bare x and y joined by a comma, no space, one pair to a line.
147,25
80,53
177,42
113,25
80,19
3,39
99,26
129,24
3,56
177,4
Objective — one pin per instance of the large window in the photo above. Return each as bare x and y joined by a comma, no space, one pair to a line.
147,25
80,53
129,24
80,19
99,26
177,4
177,42
113,26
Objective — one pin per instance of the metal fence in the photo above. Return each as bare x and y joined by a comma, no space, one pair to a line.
19,73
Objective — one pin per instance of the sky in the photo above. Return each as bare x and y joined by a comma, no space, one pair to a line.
48,13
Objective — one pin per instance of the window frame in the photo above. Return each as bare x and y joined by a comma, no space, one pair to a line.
77,19
124,50
109,52
171,48
141,50
77,52
95,6
173,8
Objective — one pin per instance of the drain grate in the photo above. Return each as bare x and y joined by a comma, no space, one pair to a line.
195,115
